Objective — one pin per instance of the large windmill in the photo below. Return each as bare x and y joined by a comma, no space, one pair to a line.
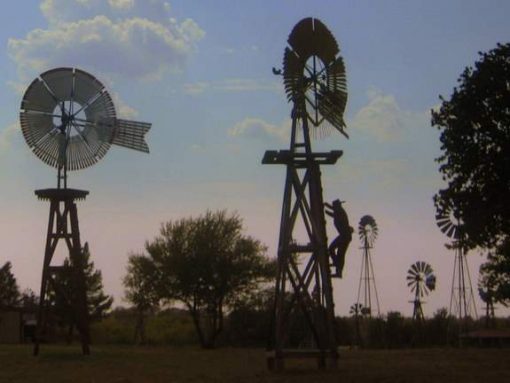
421,280
68,119
314,79
367,290
462,299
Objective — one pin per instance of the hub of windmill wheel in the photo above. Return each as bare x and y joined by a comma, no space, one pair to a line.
65,116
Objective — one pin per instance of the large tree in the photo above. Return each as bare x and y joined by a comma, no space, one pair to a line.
208,264
475,145
141,290
9,291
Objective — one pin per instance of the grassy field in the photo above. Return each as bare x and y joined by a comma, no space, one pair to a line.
132,364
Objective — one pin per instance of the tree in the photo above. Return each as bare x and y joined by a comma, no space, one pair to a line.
9,291
475,145
495,277
141,290
98,303
208,264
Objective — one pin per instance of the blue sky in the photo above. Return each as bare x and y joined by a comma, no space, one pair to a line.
200,72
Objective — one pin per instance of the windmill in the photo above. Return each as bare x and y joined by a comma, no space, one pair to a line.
421,279
367,290
314,80
462,299
356,310
68,120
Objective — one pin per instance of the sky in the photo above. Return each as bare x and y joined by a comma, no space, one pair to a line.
200,72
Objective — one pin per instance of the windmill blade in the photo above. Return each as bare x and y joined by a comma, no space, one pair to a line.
430,282
27,120
87,87
332,95
311,37
331,106
411,278
293,79
36,98
59,83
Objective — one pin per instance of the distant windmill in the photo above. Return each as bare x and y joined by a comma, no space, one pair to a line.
421,280
367,289
68,119
462,299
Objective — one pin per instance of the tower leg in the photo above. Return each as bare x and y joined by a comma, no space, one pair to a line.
63,224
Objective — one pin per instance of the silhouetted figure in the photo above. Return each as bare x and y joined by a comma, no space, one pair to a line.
339,245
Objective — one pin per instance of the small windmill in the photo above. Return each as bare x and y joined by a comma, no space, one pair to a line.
367,290
356,310
314,80
462,299
68,119
421,279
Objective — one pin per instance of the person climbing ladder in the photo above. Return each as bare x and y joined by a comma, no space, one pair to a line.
339,245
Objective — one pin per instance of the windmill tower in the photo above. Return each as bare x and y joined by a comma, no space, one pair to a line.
367,290
421,279
314,79
462,299
68,120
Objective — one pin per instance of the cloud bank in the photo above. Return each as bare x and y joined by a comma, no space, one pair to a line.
132,38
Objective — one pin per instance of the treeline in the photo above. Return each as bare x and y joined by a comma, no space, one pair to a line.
248,326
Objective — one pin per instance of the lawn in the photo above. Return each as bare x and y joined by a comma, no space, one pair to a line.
187,364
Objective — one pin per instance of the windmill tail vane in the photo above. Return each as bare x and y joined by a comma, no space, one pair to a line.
126,133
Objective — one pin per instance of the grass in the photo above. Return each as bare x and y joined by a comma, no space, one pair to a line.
188,364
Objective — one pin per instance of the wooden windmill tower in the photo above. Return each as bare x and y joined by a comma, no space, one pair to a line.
315,83
68,120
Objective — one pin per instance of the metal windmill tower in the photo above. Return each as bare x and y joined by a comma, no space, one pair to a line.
367,289
421,279
462,299
68,119
314,79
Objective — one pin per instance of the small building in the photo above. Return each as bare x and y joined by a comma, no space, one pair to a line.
486,338
11,326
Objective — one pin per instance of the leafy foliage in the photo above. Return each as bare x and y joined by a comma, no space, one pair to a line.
9,291
495,276
141,290
97,301
475,144
208,264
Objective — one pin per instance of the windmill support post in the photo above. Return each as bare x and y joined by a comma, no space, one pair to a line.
63,225
303,288
462,299
367,281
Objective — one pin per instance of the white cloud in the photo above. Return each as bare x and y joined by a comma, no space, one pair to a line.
258,128
383,119
136,39
195,88
121,4
233,85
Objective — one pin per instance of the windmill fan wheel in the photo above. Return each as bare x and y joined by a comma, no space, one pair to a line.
314,77
367,230
68,119
421,278
448,223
